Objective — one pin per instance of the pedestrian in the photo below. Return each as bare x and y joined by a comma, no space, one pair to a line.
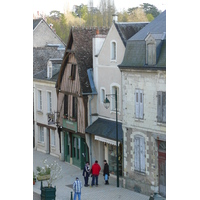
86,173
106,172
77,185
95,172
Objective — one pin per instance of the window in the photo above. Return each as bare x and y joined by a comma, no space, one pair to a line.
114,89
39,100
102,95
139,104
66,105
151,54
113,51
78,148
49,104
161,106
74,111
41,134
139,158
53,138
73,72
150,50
49,69
75,147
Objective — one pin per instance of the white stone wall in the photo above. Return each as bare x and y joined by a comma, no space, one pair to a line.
150,82
41,117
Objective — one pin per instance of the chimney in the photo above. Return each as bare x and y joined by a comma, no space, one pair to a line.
115,18
51,26
97,31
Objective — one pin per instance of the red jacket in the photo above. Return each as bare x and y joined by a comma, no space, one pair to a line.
95,169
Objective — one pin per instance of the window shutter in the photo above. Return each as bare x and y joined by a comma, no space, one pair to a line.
48,102
141,106
65,104
159,106
142,154
137,153
137,104
164,106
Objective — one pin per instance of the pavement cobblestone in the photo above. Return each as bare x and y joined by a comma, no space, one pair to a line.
70,172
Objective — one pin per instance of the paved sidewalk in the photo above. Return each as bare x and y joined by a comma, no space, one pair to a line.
70,172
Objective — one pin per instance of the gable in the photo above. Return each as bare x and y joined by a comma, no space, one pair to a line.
43,34
105,52
80,44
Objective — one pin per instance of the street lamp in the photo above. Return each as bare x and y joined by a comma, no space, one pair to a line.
106,105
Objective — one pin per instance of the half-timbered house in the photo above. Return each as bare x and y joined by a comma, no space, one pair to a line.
74,84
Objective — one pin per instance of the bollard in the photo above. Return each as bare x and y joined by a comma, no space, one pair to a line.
71,196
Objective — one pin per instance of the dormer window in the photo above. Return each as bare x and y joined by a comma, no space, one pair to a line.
113,51
150,50
49,69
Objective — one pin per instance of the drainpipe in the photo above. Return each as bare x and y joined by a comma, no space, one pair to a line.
90,111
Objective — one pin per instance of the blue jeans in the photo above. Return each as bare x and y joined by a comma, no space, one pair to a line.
78,194
93,179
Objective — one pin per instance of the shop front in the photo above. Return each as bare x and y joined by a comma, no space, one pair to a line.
75,147
104,131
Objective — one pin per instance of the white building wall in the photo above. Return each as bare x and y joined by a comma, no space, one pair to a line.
41,117
150,82
40,39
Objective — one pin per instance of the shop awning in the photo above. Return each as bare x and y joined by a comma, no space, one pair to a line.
105,129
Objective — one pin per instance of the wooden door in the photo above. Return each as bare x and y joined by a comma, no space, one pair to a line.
162,168
67,147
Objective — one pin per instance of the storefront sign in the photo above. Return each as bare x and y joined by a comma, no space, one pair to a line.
51,118
113,142
70,125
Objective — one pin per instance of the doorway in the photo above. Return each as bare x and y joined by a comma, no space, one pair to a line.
162,167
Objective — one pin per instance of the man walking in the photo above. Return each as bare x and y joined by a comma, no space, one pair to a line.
106,172
86,173
95,172
77,185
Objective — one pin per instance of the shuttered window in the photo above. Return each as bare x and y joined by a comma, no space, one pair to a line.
39,100
161,106
49,104
139,147
139,104
73,72
41,131
66,105
74,111
53,143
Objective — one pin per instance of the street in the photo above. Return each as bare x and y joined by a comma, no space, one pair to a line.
70,172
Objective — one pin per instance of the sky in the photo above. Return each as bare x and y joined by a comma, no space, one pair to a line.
48,5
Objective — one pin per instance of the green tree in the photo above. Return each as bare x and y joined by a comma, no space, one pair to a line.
150,9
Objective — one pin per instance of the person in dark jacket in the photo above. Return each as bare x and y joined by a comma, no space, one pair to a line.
95,172
86,173
106,172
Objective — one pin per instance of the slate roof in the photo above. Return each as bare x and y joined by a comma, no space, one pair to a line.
127,29
105,128
81,38
135,53
36,22
41,55
42,75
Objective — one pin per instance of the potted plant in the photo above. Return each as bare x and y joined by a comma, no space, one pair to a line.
49,172
34,178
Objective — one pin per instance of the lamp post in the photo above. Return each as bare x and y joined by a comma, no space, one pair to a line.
106,105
